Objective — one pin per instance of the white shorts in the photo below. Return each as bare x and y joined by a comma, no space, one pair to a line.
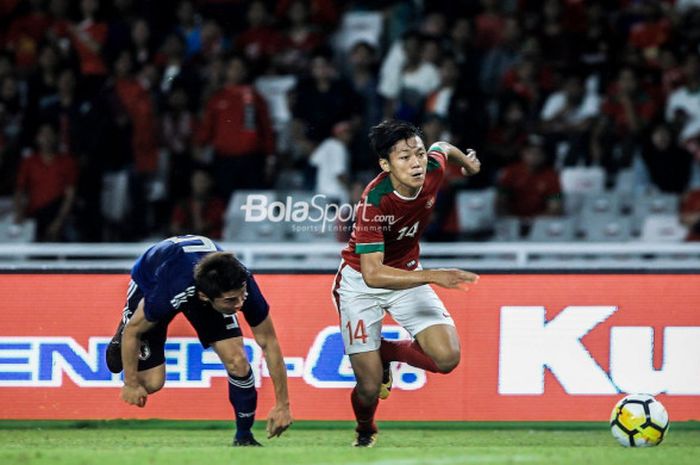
362,309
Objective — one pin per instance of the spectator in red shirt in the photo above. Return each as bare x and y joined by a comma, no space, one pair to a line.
530,187
136,100
260,41
25,34
530,78
301,37
506,139
46,187
201,213
321,12
653,31
490,24
628,110
177,132
236,124
88,36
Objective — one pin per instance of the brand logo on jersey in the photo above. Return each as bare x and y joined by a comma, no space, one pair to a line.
430,202
145,351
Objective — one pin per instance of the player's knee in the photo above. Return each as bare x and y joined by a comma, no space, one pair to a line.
448,361
368,391
237,365
154,385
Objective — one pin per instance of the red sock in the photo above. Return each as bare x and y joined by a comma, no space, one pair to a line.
364,414
408,352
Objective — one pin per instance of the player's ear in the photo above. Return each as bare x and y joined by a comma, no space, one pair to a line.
384,165
202,296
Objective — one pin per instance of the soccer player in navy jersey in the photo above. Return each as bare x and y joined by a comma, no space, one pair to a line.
192,275
381,272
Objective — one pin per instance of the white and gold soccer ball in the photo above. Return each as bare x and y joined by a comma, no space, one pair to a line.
639,420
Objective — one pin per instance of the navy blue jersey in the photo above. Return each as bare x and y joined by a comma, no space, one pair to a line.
165,275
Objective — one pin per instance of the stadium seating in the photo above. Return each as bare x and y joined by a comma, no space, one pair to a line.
313,228
582,179
476,210
607,228
652,204
16,233
576,182
548,229
506,229
663,228
238,229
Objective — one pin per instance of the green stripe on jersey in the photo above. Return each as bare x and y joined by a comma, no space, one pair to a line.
380,190
369,248
433,164
437,148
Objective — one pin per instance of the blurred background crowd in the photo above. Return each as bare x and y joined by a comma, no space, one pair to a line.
126,120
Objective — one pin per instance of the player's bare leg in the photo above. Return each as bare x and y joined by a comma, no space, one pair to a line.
152,379
241,388
368,369
232,354
441,344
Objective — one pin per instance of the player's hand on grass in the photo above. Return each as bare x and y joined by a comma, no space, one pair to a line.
134,395
278,420
452,278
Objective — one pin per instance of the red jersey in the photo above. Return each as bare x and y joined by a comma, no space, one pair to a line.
144,140
91,63
45,182
391,223
236,122
528,190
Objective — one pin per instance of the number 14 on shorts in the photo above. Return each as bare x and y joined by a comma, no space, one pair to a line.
358,333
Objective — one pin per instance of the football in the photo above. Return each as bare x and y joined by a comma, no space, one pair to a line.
639,420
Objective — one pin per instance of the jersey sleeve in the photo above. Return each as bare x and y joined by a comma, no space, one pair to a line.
255,309
369,235
157,305
437,158
173,289
437,162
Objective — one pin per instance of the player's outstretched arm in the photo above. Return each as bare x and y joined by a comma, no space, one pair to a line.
280,417
376,274
468,161
133,392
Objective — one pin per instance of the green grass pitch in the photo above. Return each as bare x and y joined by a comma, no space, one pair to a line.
156,442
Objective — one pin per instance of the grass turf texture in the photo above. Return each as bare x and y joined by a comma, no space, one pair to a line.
157,442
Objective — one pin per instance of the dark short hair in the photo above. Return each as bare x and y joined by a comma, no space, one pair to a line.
219,272
386,134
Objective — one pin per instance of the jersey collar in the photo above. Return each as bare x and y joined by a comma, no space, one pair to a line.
403,197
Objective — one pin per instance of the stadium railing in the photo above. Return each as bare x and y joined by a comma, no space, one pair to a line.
324,257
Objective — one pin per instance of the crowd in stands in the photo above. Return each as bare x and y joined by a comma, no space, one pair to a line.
125,120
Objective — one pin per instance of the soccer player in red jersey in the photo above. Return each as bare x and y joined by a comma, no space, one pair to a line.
380,270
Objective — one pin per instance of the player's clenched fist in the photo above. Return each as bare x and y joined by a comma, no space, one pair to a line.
472,165
134,395
453,278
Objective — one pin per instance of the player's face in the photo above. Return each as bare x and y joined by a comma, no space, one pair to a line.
230,302
407,165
